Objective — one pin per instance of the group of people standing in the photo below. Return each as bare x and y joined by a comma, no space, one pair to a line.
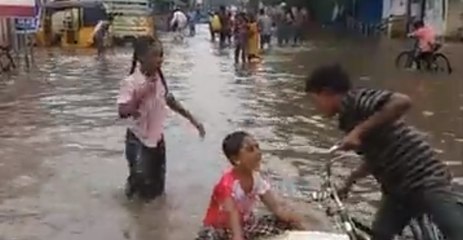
250,33
291,24
247,32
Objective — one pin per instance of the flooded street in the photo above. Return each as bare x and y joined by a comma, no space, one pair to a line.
62,169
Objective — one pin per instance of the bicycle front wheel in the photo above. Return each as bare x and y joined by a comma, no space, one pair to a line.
440,63
424,229
404,59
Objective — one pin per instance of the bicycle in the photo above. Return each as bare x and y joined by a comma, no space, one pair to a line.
435,61
6,59
421,228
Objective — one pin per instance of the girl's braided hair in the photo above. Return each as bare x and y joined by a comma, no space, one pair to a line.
141,46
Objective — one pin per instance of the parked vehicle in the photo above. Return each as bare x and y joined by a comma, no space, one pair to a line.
70,23
132,18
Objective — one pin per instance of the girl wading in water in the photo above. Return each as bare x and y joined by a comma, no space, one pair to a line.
143,99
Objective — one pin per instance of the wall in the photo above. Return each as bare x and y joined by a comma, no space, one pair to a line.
454,19
436,15
17,8
399,8
369,11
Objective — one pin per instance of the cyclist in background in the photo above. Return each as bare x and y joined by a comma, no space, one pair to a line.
426,40
179,23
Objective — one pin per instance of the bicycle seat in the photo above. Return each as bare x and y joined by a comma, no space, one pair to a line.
436,47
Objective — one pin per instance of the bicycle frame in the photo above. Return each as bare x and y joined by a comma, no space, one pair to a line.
422,228
347,223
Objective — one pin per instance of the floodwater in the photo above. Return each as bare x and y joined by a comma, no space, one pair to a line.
62,169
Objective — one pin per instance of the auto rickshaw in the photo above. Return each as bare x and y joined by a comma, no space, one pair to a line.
70,23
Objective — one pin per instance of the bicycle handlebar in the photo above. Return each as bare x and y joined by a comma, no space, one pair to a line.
334,148
328,171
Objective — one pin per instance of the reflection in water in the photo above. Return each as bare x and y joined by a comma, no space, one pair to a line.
63,169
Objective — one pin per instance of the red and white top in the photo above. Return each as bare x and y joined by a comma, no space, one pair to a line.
229,186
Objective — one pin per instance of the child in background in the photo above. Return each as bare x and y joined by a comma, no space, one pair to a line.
230,214
253,40
426,40
241,37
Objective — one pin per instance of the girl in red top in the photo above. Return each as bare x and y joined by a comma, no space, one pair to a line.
230,214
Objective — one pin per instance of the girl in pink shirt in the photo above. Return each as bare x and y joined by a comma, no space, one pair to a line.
143,98
230,215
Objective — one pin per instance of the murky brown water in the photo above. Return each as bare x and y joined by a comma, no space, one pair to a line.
62,167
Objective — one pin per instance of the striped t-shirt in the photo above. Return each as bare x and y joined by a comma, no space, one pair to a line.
397,155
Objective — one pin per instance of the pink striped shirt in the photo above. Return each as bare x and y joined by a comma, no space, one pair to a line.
149,125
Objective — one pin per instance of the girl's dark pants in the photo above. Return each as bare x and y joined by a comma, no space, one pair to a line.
147,168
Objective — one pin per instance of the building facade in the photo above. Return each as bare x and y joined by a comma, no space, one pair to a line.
454,26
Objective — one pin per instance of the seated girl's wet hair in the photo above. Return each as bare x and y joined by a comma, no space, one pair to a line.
141,46
329,77
233,143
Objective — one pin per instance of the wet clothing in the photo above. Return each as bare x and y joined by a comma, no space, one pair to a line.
147,167
99,35
241,40
240,52
225,30
240,32
192,21
265,24
149,126
145,147
395,213
298,28
265,39
426,38
265,226
398,155
253,40
229,186
216,221
179,21
215,23
284,27
411,176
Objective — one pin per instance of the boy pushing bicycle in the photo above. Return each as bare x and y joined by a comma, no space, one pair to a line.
413,181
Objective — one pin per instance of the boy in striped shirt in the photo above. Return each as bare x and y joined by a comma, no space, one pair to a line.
412,179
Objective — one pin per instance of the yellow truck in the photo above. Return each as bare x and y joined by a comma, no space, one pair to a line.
132,18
